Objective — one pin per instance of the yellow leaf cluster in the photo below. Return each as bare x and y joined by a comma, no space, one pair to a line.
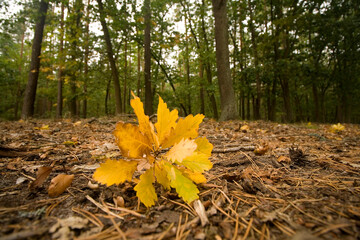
335,128
180,167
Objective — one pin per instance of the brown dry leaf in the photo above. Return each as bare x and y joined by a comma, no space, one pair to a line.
41,176
59,184
284,159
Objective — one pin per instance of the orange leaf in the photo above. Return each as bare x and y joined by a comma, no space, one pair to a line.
132,143
59,184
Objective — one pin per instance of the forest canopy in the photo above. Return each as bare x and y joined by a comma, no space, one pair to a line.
289,60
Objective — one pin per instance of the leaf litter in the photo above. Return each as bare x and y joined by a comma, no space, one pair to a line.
303,184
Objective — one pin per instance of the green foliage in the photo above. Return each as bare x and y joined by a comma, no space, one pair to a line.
307,72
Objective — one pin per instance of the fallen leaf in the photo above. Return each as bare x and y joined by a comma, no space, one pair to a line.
284,159
59,184
261,150
41,176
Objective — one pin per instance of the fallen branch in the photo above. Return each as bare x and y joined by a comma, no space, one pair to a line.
233,149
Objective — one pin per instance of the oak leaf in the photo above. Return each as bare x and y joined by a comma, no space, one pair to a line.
181,150
166,121
132,143
59,184
115,171
145,190
179,168
183,185
185,128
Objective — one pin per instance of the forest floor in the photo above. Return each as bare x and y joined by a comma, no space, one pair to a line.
268,181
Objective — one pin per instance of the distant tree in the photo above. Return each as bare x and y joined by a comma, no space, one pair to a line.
30,91
59,105
147,53
227,95
110,53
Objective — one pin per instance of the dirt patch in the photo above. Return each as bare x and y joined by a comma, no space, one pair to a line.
269,181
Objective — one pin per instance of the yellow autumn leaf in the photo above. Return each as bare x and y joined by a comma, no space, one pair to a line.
204,146
196,177
166,120
197,162
161,175
145,125
115,171
185,128
186,189
335,128
181,150
132,143
145,190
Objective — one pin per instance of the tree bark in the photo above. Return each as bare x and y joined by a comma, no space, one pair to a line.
59,105
30,91
257,102
147,53
86,60
227,95
207,62
110,53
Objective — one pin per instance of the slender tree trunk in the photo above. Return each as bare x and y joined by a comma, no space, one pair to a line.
257,102
138,87
18,87
227,95
59,105
207,62
86,60
75,31
30,91
147,50
110,53
125,73
201,95
187,68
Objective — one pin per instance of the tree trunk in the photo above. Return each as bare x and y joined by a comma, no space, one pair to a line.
125,73
147,50
86,60
19,90
30,91
201,96
59,105
75,31
138,87
187,68
110,53
208,63
227,95
257,102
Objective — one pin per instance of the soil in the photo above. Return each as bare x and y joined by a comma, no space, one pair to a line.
268,181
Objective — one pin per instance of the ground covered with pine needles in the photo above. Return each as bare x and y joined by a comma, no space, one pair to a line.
269,181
